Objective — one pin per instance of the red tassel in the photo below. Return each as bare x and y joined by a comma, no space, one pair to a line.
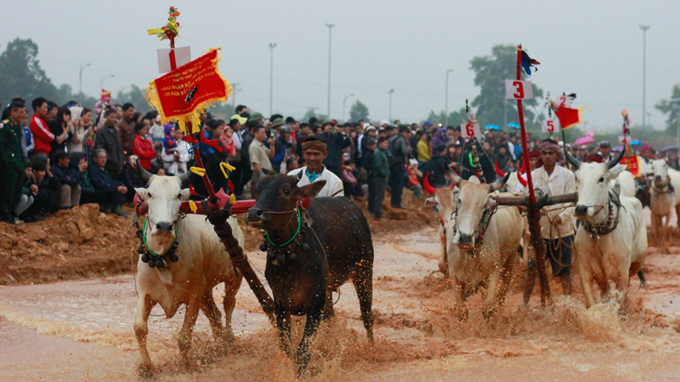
231,186
191,189
498,171
190,139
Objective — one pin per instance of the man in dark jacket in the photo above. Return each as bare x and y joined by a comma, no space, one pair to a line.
437,167
377,179
12,161
70,180
336,142
109,140
109,193
400,148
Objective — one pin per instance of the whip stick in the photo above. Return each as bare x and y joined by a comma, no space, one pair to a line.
533,212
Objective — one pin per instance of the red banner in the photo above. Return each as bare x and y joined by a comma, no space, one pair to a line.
632,162
185,92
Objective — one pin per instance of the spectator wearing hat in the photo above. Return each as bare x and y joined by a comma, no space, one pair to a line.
12,161
336,142
281,146
142,147
108,192
257,118
606,151
70,179
109,140
274,130
315,151
104,101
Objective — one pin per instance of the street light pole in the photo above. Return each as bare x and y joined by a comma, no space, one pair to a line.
271,77
330,29
644,72
80,83
343,104
390,118
101,83
446,101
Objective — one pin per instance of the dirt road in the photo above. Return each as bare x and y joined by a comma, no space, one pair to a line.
82,330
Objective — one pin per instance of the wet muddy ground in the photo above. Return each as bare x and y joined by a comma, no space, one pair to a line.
82,331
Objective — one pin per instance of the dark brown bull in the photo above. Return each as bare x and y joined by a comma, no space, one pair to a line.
304,268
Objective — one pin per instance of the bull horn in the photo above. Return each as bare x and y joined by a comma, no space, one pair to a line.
499,183
453,177
426,183
299,175
184,178
143,173
616,160
575,162
499,172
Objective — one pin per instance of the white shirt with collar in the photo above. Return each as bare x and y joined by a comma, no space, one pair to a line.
333,185
561,181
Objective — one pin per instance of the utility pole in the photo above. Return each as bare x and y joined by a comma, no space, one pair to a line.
390,118
235,90
101,83
343,105
271,77
330,29
446,99
80,83
644,72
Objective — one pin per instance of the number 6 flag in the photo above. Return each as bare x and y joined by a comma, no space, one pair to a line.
470,129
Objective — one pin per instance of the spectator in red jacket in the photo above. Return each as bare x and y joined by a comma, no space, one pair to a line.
142,147
42,135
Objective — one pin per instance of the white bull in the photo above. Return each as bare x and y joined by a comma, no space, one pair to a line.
607,250
664,199
482,246
203,263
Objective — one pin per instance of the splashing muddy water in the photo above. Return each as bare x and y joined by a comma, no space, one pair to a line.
82,330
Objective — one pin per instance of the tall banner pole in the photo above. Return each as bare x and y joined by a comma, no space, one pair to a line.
533,211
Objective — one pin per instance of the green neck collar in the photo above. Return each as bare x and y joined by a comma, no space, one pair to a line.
171,245
292,238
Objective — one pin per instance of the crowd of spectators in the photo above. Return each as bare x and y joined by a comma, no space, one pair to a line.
67,155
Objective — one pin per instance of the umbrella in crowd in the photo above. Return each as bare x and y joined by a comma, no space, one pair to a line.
669,148
585,140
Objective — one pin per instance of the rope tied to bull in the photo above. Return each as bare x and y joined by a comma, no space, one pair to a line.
666,188
480,231
608,225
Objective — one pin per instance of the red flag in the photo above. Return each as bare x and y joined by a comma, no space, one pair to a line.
568,117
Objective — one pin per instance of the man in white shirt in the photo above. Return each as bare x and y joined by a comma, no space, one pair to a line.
557,228
314,150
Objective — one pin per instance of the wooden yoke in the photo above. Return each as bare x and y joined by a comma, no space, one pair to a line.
218,218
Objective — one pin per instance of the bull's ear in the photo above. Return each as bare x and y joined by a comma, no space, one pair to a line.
142,192
186,193
312,189
614,172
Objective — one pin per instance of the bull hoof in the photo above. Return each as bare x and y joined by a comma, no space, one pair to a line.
145,370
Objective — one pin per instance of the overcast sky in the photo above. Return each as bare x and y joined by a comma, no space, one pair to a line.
593,48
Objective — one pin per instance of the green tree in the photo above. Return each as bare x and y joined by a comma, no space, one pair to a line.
672,108
490,75
21,74
358,111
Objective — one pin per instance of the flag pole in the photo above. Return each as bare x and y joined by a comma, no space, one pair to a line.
533,212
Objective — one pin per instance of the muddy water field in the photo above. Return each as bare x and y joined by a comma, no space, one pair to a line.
68,300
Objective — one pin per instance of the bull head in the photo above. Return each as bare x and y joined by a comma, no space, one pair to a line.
163,198
471,203
593,181
279,194
660,167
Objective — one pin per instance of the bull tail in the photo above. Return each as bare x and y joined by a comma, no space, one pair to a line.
643,282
